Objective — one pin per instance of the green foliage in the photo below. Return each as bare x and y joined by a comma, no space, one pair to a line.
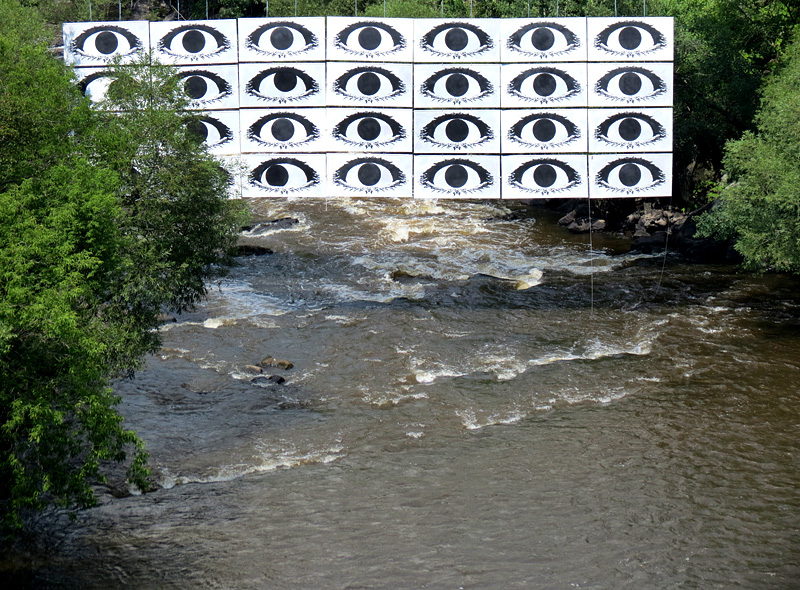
724,48
762,206
105,220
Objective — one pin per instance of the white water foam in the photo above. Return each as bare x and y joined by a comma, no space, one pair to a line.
268,459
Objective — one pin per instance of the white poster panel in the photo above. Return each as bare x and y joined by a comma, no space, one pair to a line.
284,175
370,39
369,130
631,39
543,85
545,176
283,130
543,131
630,130
219,131
635,84
370,175
93,44
543,39
456,177
456,40
284,39
369,85
94,82
210,87
457,132
195,42
457,86
282,85
630,175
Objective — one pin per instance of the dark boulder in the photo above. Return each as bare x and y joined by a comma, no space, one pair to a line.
251,250
267,380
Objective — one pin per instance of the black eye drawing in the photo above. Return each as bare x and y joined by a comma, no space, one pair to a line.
204,87
369,130
103,42
96,85
456,177
369,39
369,84
369,175
458,131
282,39
544,131
630,176
211,131
630,39
193,42
282,85
456,86
630,84
543,40
282,131
282,176
544,85
456,40
543,177
631,130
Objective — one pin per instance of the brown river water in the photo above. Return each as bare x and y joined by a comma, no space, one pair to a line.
478,400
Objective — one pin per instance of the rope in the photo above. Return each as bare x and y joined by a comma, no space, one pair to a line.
591,259
666,247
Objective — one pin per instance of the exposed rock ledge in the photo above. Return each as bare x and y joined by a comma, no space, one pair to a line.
651,226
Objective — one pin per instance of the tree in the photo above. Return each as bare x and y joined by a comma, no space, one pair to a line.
105,220
761,207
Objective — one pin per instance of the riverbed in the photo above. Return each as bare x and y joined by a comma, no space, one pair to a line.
478,399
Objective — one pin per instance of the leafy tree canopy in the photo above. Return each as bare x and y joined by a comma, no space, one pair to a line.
761,208
106,219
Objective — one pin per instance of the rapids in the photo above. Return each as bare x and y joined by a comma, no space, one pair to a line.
478,400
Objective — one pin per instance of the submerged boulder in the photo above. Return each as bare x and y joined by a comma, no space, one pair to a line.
276,363
252,250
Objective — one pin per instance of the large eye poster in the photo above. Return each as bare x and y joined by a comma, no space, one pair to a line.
521,108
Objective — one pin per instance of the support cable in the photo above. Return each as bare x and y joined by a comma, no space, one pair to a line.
591,259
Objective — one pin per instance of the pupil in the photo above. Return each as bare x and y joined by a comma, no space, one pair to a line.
193,41
277,175
630,83
544,175
195,87
630,175
106,42
544,130
630,129
368,129
457,85
198,129
285,80
282,129
630,38
369,38
456,39
544,85
456,176
369,83
457,130
369,174
542,39
281,38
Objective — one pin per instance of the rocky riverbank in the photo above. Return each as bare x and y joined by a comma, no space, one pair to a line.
651,226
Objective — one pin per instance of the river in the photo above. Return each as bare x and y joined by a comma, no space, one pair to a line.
479,400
